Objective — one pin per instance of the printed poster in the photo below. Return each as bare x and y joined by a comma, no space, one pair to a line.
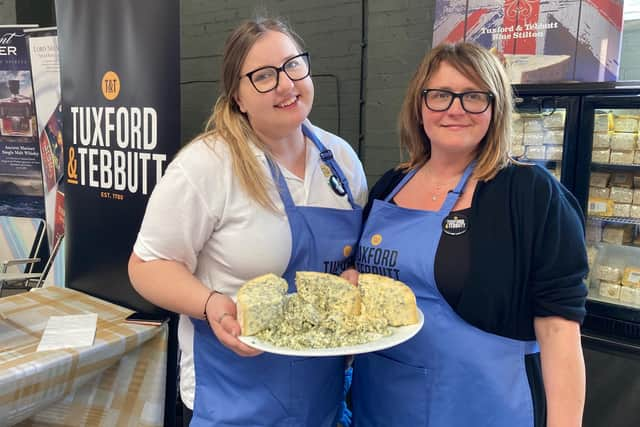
539,41
21,189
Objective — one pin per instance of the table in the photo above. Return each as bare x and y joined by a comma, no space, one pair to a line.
118,381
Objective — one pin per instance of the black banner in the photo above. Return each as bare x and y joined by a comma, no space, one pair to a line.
121,112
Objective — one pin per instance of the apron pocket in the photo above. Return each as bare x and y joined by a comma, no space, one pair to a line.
387,393
317,386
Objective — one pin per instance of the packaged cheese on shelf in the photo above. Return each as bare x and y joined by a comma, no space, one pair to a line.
594,232
621,157
517,123
625,123
636,181
621,194
600,207
518,137
592,253
631,277
621,179
622,210
636,157
617,234
599,179
517,150
602,122
634,212
609,273
533,138
533,123
554,152
601,155
599,192
609,290
554,137
554,120
628,295
601,140
535,152
621,141
636,196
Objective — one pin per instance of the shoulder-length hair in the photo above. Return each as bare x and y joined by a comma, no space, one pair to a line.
484,69
231,125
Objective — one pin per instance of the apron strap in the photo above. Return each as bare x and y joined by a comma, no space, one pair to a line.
454,195
401,184
327,158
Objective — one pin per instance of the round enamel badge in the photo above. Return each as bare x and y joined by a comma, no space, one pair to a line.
455,224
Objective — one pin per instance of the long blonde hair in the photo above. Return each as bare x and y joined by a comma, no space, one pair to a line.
483,68
228,123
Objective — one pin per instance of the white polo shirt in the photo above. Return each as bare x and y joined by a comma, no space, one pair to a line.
199,215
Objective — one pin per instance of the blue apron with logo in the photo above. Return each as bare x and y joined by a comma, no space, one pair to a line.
274,390
451,374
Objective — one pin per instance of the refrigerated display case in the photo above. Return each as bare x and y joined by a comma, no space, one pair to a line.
601,167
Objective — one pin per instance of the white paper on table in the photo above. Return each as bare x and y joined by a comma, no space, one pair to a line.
71,331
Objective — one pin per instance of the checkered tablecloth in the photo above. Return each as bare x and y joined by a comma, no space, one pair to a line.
119,381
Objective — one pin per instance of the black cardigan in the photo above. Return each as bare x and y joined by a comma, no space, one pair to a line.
528,255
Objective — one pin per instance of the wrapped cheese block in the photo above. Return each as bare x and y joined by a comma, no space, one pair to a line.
609,273
602,122
517,123
631,277
601,140
601,155
636,196
535,152
600,193
617,234
623,141
517,150
622,210
634,212
621,157
328,292
621,194
636,181
621,179
383,296
260,303
636,157
554,137
594,232
628,295
518,137
609,290
599,179
600,207
533,124
533,139
554,120
592,253
554,152
625,123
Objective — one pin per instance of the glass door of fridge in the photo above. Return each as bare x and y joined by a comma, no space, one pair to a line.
613,208
541,127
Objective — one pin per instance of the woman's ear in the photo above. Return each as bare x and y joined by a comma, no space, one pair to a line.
237,101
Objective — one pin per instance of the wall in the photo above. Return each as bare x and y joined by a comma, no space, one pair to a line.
399,34
330,28
7,12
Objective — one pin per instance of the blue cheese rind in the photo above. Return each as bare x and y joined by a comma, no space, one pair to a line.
260,303
384,297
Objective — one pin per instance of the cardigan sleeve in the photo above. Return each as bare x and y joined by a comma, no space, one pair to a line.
559,262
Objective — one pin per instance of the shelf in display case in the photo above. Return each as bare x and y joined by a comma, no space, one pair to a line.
616,167
616,219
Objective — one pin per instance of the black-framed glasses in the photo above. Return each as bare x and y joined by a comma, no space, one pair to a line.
266,79
474,101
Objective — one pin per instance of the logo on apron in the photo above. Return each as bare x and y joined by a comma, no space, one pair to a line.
455,224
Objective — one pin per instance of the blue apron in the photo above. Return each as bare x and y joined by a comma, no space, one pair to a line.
451,374
273,390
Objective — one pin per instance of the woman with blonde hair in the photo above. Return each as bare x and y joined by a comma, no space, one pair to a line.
494,251
261,191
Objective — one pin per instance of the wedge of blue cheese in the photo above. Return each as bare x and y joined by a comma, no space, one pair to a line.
390,299
328,292
260,303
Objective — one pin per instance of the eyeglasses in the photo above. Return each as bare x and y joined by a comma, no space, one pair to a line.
266,79
474,102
